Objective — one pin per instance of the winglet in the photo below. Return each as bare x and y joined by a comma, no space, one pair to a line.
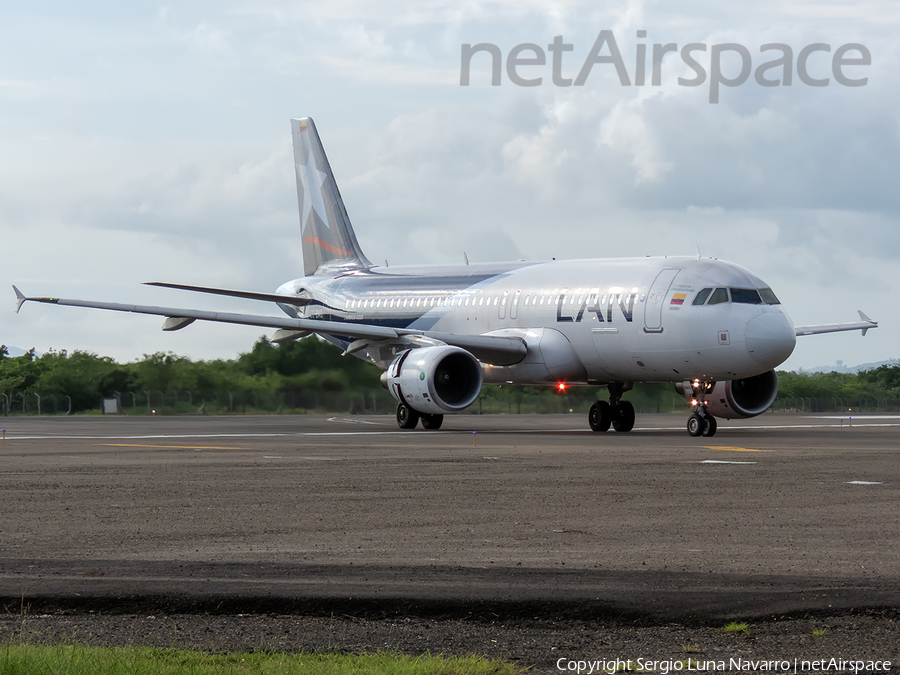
862,315
20,299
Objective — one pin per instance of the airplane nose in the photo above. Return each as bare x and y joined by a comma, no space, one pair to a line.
770,338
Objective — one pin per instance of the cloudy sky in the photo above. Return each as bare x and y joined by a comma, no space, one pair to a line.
145,142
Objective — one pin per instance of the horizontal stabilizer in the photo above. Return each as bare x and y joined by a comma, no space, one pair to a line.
250,295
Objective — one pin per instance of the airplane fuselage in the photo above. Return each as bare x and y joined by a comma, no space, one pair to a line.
584,321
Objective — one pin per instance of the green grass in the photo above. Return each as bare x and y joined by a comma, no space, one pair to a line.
24,659
737,627
691,649
819,632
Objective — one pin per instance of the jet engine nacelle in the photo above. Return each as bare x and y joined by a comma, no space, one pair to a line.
748,397
434,380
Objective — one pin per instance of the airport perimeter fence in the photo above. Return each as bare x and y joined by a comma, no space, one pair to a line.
493,401
837,405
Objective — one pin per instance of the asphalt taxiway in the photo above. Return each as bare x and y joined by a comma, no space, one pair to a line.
779,514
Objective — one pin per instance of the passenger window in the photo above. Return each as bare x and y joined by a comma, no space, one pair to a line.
702,296
719,295
746,296
525,301
768,296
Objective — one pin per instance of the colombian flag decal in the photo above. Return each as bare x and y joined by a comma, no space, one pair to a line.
678,299
302,125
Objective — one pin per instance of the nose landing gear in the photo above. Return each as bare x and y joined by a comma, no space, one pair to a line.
701,423
617,413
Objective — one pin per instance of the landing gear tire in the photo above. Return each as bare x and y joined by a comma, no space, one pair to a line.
600,416
432,421
710,426
623,416
695,425
407,418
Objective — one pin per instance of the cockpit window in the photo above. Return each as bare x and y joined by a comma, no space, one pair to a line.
719,295
702,296
746,296
768,296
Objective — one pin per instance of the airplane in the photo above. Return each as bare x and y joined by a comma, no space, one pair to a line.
439,333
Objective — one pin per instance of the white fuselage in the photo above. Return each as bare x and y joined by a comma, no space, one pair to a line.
584,321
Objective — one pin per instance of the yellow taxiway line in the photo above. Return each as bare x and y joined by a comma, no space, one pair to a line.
177,447
730,448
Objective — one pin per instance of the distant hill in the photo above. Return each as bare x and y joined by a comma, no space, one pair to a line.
15,351
839,367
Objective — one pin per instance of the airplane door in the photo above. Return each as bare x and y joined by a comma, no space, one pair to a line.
656,298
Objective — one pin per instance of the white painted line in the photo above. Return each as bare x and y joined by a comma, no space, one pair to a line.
350,420
397,432
857,416
722,461
771,427
863,482
291,435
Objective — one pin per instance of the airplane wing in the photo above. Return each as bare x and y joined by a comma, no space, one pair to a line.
493,349
864,325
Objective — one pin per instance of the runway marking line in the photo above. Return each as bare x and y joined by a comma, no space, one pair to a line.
177,447
730,448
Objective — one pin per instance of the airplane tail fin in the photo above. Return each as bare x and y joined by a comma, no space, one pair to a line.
328,238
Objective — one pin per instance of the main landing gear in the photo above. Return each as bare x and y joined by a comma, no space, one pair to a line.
701,423
617,413
407,418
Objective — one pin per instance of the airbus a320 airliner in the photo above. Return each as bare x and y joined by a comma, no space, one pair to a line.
711,327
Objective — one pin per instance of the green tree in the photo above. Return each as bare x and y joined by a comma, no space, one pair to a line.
77,375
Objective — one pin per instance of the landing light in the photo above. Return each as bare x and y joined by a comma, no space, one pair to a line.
561,386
